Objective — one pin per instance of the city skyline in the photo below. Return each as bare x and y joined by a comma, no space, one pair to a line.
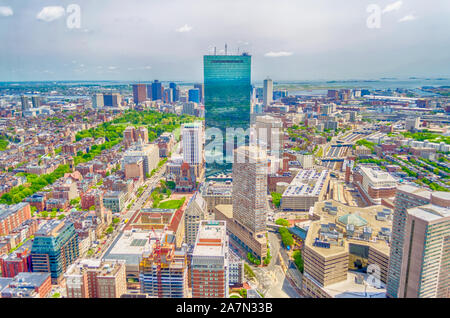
287,40
247,149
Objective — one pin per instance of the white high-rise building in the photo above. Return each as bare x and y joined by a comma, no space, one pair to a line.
268,92
269,134
192,135
412,124
196,211
97,101
250,187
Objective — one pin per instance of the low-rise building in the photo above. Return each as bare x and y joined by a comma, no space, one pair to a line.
92,278
308,187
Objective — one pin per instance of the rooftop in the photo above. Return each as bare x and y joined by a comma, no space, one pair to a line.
430,212
6,210
362,218
350,289
211,239
353,219
308,182
129,247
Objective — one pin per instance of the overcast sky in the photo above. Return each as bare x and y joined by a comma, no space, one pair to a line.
288,39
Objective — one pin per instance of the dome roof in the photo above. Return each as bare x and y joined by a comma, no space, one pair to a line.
354,219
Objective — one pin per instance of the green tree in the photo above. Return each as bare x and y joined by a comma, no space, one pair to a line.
276,199
282,222
286,236
298,260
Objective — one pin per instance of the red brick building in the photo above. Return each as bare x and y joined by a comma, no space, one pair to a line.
13,216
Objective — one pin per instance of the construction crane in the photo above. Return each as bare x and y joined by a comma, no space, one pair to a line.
157,252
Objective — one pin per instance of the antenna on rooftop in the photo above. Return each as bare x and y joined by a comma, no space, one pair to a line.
225,49
215,49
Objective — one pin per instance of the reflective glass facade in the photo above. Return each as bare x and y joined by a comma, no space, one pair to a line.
227,80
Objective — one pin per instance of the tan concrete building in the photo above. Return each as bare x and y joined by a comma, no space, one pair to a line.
251,242
89,278
250,188
269,133
194,214
217,193
134,168
344,239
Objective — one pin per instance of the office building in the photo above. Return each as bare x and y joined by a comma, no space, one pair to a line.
235,269
115,200
189,108
139,93
227,80
426,248
341,240
132,135
280,94
112,100
98,101
157,90
148,152
149,92
134,168
307,187
246,217
196,211
209,263
36,101
201,88
250,188
418,263
330,125
173,86
55,247
268,92
216,193
306,161
94,278
192,137
194,95
412,124
269,134
374,185
168,95
25,102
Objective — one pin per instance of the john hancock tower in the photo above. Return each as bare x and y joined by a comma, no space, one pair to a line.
227,80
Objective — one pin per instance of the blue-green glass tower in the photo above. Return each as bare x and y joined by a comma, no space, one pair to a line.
55,247
227,81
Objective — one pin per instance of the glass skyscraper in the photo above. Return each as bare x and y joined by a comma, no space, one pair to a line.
227,80
54,248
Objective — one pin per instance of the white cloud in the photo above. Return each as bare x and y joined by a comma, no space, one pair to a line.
6,11
184,28
278,54
112,68
393,6
409,17
147,67
49,14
